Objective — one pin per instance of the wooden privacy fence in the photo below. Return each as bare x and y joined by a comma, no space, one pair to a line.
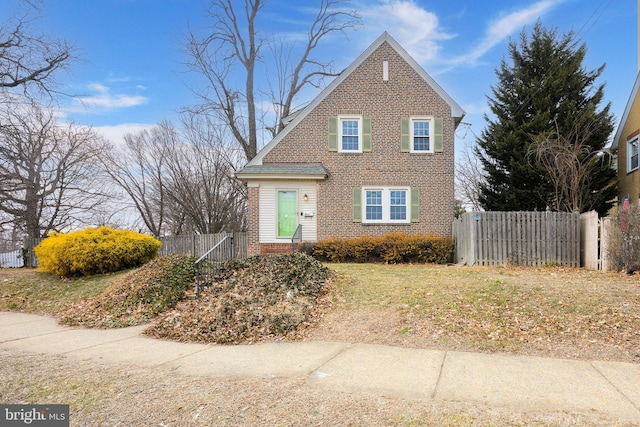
520,238
193,244
12,259
198,244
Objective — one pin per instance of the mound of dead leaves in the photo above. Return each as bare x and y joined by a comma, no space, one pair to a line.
248,300
136,297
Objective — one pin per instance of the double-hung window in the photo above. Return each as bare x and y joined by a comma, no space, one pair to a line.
350,134
373,205
398,205
632,154
386,205
421,135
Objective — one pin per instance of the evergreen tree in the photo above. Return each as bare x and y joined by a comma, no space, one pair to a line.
544,91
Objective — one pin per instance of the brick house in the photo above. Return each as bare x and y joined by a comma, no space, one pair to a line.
373,153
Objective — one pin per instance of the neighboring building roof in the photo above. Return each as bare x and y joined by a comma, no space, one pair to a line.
290,117
283,171
456,110
627,110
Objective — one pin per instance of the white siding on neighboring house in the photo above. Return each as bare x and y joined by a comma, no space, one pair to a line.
268,209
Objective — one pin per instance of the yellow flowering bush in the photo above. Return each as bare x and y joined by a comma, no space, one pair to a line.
95,251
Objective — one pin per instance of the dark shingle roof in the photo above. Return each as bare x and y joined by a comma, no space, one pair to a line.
283,171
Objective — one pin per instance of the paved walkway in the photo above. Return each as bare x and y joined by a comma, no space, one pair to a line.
607,389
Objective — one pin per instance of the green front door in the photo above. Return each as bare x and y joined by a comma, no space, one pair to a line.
287,213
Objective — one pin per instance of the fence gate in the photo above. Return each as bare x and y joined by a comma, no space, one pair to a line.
589,240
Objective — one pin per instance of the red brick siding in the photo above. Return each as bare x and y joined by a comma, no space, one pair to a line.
364,92
253,221
275,248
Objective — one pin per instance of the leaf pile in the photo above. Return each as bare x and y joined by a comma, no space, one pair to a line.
248,300
136,297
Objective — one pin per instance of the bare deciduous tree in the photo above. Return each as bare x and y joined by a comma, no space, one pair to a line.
293,77
29,59
180,182
233,48
211,198
571,164
48,172
469,179
623,239
138,168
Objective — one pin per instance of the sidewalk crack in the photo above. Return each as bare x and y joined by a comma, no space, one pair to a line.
435,389
615,387
340,352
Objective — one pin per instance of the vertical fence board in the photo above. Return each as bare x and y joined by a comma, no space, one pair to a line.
199,244
521,238
195,245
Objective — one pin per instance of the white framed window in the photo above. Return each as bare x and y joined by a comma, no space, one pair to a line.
632,154
421,134
386,205
350,134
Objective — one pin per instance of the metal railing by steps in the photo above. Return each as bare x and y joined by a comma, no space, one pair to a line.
296,238
208,263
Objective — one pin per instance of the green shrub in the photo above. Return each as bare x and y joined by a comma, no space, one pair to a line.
95,251
138,296
392,248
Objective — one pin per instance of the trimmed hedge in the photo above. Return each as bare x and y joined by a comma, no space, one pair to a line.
392,248
95,251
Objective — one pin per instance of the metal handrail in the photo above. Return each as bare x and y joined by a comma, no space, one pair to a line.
206,254
202,272
296,238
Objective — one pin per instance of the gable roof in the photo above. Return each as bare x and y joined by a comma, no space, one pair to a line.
627,111
456,110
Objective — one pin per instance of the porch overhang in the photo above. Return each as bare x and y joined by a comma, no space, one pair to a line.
288,171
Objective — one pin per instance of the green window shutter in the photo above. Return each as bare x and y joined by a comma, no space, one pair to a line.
405,138
366,135
357,205
333,134
415,205
437,137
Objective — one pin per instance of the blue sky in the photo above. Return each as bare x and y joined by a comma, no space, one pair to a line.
131,74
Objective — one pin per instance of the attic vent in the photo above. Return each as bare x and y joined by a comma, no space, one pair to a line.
385,71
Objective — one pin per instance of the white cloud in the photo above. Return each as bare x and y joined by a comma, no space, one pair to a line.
104,99
416,29
115,134
504,27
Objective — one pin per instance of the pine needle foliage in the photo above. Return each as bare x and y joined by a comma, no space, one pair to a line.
544,91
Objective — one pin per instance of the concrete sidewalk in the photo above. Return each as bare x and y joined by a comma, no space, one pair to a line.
606,389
